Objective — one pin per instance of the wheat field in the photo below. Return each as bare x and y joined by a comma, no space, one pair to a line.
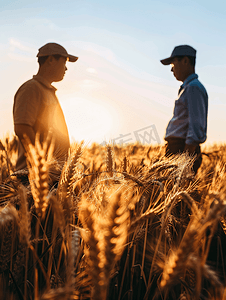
118,223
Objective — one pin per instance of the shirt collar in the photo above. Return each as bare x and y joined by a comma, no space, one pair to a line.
43,81
189,79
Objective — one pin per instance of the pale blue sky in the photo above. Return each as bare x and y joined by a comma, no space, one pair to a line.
118,75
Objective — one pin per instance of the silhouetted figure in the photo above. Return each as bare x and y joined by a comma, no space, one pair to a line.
36,108
187,129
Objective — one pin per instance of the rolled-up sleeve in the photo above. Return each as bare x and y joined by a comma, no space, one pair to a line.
197,113
27,104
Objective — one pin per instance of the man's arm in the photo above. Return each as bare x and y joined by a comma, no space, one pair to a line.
26,107
197,114
21,130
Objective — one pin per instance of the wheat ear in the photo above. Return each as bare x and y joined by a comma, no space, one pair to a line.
9,228
87,217
109,160
65,188
124,164
116,229
38,173
61,293
68,171
58,213
25,230
208,273
216,211
177,260
75,243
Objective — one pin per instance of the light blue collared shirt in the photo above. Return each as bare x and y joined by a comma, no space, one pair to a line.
190,113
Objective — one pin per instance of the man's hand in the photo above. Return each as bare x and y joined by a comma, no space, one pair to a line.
190,148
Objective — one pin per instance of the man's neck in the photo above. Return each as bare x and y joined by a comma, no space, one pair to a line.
188,74
45,74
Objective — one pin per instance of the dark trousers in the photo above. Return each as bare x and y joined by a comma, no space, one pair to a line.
177,145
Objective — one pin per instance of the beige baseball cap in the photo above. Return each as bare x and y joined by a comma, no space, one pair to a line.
54,48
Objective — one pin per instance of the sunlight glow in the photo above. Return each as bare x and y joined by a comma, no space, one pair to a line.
86,120
91,70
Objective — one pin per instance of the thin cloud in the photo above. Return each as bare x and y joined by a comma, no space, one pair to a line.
15,44
99,50
43,24
21,58
20,52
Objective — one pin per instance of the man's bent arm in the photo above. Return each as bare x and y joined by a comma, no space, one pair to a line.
21,130
197,113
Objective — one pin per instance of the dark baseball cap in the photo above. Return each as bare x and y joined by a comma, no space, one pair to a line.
182,50
54,48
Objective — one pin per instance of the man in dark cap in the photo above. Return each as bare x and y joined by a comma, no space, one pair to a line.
36,108
187,128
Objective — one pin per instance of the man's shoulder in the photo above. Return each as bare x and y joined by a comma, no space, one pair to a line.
29,88
29,84
195,83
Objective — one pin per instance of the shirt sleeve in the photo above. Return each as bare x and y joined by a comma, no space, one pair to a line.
27,104
197,115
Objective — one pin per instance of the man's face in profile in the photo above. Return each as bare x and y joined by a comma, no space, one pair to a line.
178,68
59,68
181,68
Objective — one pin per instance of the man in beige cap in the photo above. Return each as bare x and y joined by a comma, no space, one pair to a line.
36,108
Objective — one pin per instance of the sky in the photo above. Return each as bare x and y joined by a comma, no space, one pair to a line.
117,90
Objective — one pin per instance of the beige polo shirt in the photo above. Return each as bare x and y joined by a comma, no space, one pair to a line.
36,105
